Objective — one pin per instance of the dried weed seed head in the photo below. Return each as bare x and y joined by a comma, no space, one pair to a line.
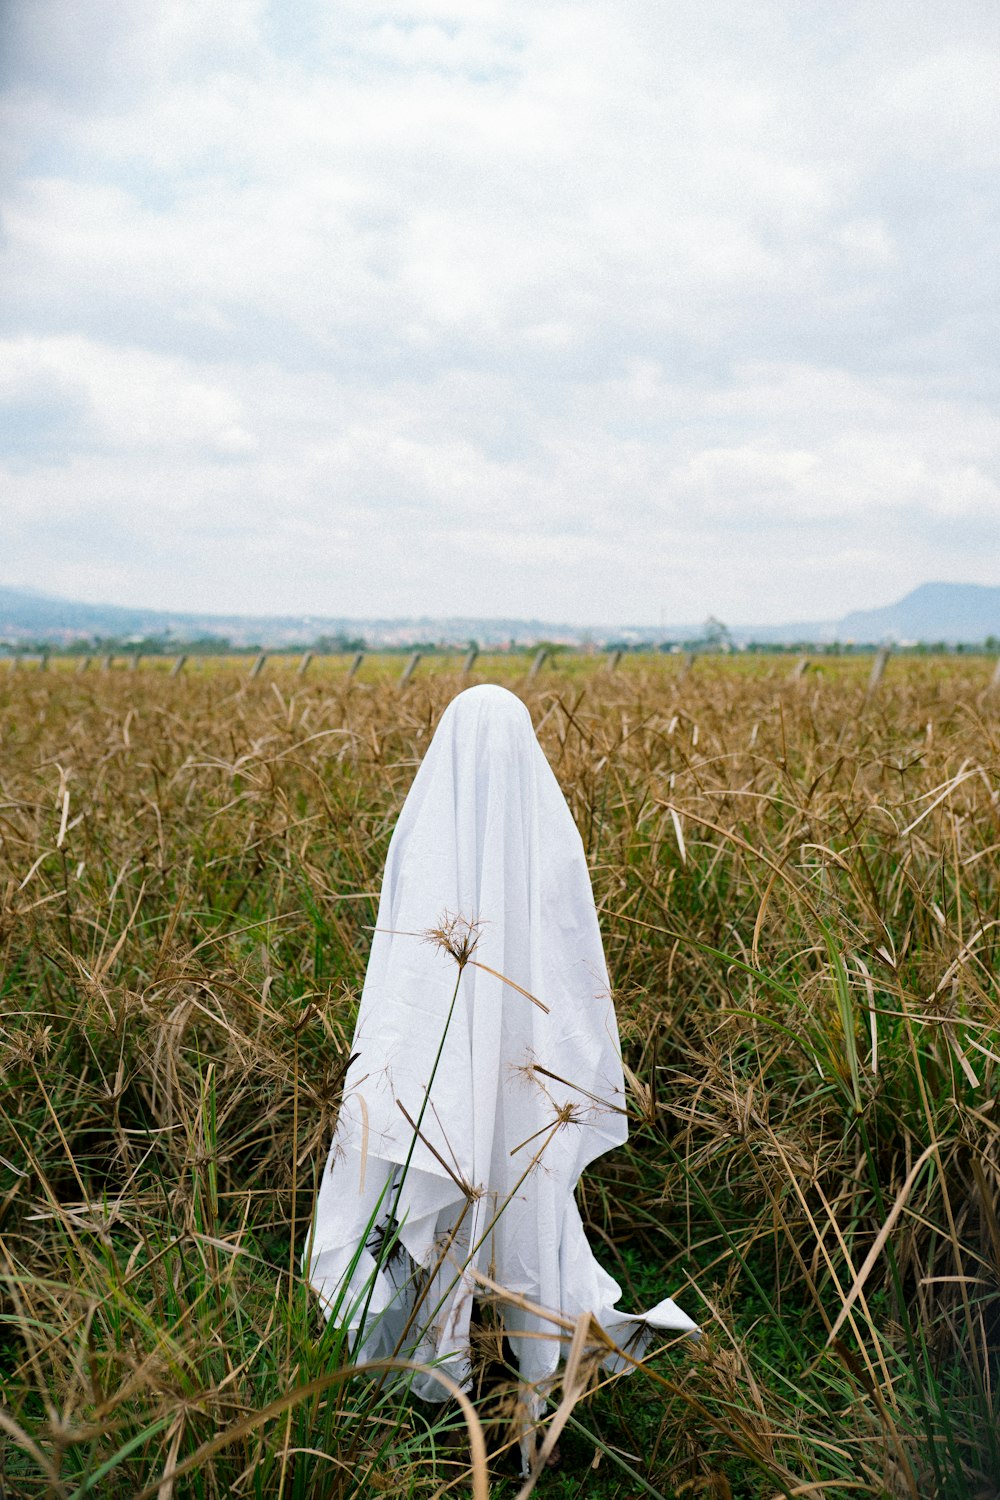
456,935
569,1114
23,1046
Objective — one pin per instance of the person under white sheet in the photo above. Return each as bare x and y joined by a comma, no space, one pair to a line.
487,982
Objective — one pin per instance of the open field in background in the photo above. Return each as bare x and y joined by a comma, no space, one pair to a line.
798,888
515,666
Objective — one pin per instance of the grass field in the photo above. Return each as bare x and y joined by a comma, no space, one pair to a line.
798,889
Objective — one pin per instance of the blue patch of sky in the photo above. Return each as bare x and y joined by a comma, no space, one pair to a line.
36,433
49,158
303,34
294,32
153,189
156,192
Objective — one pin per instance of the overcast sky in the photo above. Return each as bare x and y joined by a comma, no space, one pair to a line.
606,311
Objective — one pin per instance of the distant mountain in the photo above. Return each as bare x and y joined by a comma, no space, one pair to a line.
951,612
933,612
26,614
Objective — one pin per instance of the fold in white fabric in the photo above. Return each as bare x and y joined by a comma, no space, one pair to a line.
469,1110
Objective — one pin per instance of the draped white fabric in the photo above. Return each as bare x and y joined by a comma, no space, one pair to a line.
521,1098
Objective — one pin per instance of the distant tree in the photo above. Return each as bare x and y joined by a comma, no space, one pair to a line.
209,645
339,644
715,636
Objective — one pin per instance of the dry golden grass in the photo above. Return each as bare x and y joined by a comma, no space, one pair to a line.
798,888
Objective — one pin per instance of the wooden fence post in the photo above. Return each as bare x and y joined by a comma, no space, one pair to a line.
106,663
536,666
614,660
179,665
304,663
410,668
878,670
800,669
470,659
82,665
258,665
353,669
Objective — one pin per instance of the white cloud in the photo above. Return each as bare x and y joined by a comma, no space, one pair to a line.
577,297
129,401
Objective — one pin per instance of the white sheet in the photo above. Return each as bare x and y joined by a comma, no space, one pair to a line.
485,835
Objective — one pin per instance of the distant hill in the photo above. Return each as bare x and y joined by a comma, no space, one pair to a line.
951,612
933,612
26,614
